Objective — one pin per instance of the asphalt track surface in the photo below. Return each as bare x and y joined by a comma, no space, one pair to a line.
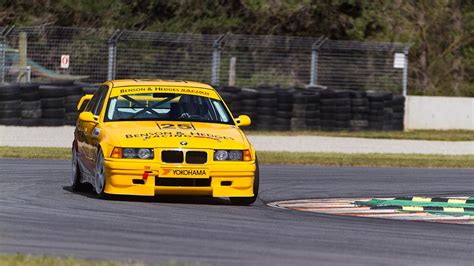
40,215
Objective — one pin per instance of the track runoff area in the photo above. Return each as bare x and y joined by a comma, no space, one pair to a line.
454,210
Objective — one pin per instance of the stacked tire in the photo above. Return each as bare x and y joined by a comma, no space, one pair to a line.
74,94
52,104
398,107
335,110
313,112
10,109
231,97
284,110
248,105
359,111
30,105
387,112
298,118
266,107
376,110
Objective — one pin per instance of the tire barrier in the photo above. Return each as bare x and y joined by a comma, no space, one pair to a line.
270,108
274,108
41,104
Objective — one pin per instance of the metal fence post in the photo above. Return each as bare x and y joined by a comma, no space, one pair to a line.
3,51
405,72
2,58
112,61
314,60
216,60
314,67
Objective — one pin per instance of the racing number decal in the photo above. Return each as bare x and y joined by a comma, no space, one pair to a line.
175,126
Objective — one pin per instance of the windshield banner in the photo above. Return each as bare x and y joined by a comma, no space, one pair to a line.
118,91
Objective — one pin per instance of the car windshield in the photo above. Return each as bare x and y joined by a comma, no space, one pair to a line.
166,107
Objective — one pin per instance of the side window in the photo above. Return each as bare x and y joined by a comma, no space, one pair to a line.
101,101
95,99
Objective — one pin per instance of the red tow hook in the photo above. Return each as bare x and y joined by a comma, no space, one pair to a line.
146,174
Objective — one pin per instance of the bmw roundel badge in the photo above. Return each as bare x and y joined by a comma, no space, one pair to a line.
183,143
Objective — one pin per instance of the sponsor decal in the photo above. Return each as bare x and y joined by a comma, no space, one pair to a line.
177,134
183,172
164,89
188,126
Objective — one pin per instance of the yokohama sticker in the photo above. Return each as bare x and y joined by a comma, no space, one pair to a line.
177,172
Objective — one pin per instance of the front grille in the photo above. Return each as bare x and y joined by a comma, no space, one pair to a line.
182,182
172,156
196,157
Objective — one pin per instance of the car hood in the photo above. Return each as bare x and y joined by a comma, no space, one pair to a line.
192,135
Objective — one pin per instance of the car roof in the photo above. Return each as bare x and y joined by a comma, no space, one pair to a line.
158,82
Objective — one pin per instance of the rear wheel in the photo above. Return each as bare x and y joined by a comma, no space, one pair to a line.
249,200
76,176
99,176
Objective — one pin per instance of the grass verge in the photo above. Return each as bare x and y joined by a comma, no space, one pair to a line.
444,135
20,260
308,158
368,159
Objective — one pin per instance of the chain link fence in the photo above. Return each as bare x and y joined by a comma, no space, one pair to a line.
96,55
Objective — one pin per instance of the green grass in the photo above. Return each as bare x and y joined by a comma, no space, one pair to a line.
30,260
35,152
308,158
368,159
445,135
20,260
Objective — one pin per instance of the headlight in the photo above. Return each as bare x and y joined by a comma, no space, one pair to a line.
132,153
221,155
235,155
232,155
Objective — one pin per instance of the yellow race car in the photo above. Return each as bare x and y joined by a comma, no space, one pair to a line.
157,137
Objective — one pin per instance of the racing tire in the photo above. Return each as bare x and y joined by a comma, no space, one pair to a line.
52,102
32,105
267,102
10,105
30,96
30,122
49,91
72,108
266,111
76,176
242,201
267,94
99,176
9,121
73,99
59,113
284,107
31,113
359,102
15,113
249,102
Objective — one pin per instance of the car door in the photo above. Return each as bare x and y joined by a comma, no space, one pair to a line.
88,132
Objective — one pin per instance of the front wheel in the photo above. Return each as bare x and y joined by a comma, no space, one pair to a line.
249,200
99,176
76,175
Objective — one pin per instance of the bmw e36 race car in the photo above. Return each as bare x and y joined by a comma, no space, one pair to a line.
155,137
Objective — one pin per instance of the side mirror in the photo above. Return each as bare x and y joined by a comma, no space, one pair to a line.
243,120
83,102
88,117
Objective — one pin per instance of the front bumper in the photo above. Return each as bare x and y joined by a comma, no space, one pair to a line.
226,179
